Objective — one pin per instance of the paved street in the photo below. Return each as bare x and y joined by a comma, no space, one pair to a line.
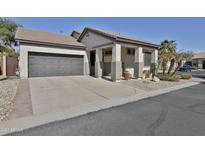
181,112
199,74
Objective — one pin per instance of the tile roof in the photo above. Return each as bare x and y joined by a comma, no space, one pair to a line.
27,35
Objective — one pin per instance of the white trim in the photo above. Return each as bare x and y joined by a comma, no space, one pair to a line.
139,54
154,56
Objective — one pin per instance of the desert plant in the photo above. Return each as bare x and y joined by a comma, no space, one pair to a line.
186,76
194,67
168,77
146,73
153,70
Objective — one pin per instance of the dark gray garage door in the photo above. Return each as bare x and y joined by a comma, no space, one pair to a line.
43,64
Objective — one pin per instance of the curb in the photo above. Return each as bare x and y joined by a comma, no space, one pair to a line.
17,125
195,79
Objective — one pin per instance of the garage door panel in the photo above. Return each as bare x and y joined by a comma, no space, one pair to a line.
41,64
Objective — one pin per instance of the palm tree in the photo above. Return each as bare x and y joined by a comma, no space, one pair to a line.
167,53
179,58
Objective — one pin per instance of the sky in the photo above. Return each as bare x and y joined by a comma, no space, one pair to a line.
189,33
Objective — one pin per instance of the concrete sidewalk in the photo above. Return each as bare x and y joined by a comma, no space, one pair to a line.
82,109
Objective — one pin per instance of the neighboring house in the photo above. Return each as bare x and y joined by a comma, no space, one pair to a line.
75,34
92,52
198,60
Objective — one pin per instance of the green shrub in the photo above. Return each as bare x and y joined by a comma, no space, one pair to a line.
195,68
186,76
168,77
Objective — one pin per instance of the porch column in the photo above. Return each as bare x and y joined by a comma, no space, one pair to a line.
116,65
86,63
138,64
98,63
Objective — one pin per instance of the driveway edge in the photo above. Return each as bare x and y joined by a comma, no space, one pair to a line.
21,124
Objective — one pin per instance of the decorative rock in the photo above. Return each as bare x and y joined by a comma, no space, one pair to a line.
155,79
7,93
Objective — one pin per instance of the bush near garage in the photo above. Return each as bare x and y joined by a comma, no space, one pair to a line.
168,77
186,76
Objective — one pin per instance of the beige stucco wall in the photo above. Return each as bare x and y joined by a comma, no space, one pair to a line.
92,40
127,60
24,49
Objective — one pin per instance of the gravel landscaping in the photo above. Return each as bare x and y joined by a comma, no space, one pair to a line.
148,85
7,93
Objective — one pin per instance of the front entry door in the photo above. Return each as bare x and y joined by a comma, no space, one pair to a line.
92,63
203,66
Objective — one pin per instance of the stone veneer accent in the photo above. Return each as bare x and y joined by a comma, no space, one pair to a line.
98,69
138,69
116,71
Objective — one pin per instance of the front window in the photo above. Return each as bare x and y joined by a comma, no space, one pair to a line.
108,52
147,58
130,51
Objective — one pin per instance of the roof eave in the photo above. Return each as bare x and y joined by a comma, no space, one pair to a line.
49,44
118,38
138,42
95,31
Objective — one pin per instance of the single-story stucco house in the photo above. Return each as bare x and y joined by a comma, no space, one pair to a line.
198,60
90,52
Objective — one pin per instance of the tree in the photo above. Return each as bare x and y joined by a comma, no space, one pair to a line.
167,53
7,34
7,30
188,55
180,56
4,50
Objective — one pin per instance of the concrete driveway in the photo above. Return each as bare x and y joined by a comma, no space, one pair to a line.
55,93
